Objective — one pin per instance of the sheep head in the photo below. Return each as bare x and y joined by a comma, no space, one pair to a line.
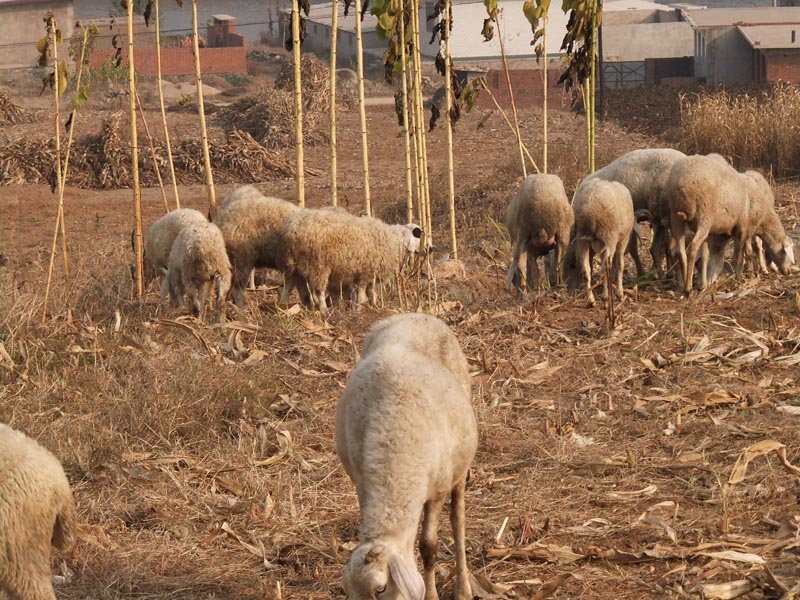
377,570
412,235
781,254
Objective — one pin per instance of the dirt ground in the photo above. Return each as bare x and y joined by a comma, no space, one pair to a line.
612,458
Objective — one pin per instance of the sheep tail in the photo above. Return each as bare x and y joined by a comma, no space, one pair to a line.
65,531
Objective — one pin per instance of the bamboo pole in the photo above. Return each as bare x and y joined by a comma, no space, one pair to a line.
51,24
544,101
511,95
426,196
448,94
137,192
212,198
298,103
362,109
152,153
412,113
334,31
593,79
164,110
406,133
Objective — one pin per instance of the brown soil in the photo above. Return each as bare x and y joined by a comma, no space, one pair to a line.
202,457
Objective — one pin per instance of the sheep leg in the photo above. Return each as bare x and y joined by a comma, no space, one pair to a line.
700,236
533,261
739,243
429,544
582,251
463,590
618,268
657,247
239,284
521,260
633,250
678,227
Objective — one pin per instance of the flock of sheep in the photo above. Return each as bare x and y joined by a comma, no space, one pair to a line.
319,251
406,443
672,191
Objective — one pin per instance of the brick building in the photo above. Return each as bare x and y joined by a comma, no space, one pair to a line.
775,52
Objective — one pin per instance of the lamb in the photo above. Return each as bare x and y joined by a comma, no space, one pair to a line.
709,196
197,261
37,509
604,222
645,173
539,220
161,235
406,443
325,247
251,227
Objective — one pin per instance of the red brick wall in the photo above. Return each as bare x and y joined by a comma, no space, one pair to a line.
528,92
784,66
180,61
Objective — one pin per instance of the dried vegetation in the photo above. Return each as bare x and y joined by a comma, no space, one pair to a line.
656,457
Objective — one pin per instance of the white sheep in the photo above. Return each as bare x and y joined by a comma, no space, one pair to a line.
161,235
198,262
251,226
604,222
538,220
645,173
767,227
406,435
323,248
37,510
709,196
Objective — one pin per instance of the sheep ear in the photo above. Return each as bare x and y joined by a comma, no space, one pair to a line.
408,580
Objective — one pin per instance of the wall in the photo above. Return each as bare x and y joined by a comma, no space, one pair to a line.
728,56
23,25
783,65
527,84
180,61
641,41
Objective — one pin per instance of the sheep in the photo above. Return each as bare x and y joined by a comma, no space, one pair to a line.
604,221
197,261
322,248
406,443
37,509
251,227
711,197
766,226
538,220
645,173
162,233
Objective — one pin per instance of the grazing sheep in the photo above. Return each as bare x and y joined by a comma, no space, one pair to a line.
162,233
603,223
407,443
251,226
325,247
37,509
766,226
538,220
197,262
645,173
712,198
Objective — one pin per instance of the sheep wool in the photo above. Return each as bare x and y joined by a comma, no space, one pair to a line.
37,509
198,262
406,434
251,226
538,220
161,235
603,223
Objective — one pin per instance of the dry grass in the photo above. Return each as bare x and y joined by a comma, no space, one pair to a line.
203,461
752,129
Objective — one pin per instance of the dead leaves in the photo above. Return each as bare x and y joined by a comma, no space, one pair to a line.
760,449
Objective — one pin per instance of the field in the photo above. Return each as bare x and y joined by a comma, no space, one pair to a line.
612,457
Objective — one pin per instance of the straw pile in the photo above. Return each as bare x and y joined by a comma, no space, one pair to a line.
11,114
103,161
268,115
